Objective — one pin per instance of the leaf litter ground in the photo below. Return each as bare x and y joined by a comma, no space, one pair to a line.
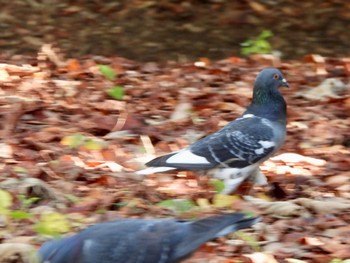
69,151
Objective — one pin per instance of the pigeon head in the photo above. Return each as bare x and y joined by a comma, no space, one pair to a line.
270,78
267,100
266,86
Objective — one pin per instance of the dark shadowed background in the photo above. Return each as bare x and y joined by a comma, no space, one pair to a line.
174,29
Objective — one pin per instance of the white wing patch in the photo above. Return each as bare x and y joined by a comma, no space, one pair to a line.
249,115
187,157
153,170
267,144
259,151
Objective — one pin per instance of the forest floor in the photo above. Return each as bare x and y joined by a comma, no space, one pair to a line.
74,133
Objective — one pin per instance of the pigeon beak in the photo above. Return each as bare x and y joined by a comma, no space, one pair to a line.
285,83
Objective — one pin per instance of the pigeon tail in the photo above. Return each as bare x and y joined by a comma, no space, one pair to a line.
208,228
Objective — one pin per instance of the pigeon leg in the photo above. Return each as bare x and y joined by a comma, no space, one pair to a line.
258,178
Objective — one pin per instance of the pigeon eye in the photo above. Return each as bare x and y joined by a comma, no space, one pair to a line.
275,76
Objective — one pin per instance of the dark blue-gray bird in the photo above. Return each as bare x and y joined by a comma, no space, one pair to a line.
235,152
141,241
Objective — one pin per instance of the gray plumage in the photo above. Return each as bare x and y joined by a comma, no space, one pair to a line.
235,152
141,241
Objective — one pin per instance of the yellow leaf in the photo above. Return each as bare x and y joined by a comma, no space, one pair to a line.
264,197
73,141
53,224
221,200
93,145
203,203
5,201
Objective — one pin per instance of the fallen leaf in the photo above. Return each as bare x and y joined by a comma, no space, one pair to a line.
222,200
298,158
18,252
182,111
294,260
329,88
312,241
5,151
278,208
259,257
53,224
326,206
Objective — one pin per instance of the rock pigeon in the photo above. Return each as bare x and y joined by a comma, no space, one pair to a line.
141,241
234,153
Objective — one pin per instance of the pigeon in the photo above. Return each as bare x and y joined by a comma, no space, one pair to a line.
234,153
141,240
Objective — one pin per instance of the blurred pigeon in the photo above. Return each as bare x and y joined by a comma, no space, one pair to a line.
141,241
235,152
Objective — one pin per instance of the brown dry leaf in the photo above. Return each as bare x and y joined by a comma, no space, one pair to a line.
339,179
319,63
326,206
337,248
39,188
343,252
230,106
48,52
109,105
182,111
73,65
329,88
279,209
5,151
19,70
268,60
338,232
259,257
298,158
15,252
315,58
312,241
258,7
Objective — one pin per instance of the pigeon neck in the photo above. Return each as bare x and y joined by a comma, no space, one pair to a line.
268,104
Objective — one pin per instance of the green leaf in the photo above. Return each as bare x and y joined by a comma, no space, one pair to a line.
219,185
265,34
20,214
258,45
116,92
53,224
108,72
179,205
27,202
